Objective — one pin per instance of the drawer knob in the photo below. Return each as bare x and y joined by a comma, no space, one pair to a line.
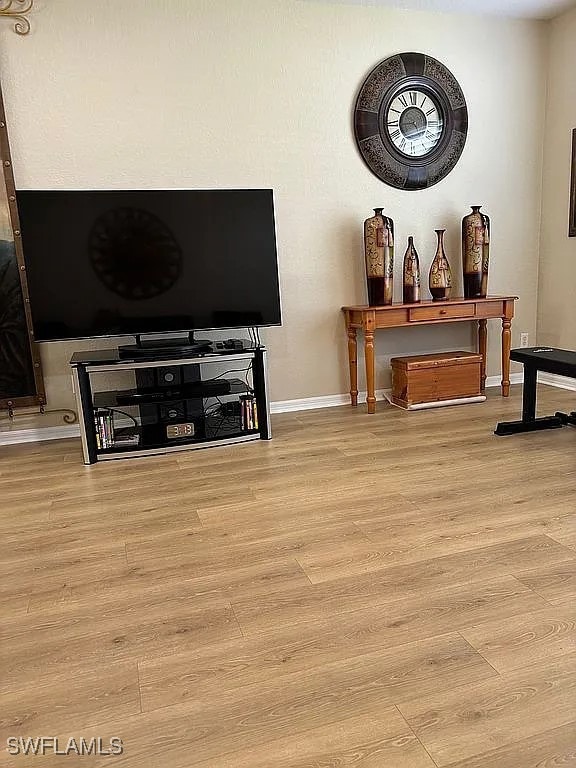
442,311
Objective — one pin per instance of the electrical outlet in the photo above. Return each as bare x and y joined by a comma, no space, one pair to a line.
524,340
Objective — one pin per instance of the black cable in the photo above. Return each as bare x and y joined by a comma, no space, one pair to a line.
246,371
232,370
219,427
215,407
128,415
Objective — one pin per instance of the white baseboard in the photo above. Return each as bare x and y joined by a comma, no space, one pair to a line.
495,381
329,401
561,382
324,401
13,436
37,434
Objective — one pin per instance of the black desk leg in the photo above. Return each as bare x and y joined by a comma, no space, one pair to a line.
529,393
529,421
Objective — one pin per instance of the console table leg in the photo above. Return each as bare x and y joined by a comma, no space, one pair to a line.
482,338
369,358
353,363
506,337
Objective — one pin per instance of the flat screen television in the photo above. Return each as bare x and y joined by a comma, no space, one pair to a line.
117,263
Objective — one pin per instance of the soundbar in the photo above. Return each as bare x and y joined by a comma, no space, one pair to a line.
166,351
208,388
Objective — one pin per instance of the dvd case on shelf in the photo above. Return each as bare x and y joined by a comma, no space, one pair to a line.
109,437
104,428
248,412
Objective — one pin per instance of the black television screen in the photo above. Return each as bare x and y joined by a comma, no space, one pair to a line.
116,263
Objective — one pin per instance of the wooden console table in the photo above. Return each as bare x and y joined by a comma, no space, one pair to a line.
369,319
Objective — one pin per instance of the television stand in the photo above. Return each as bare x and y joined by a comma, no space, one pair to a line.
137,407
176,347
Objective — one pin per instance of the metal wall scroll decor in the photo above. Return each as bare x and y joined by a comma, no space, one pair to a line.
21,382
410,121
572,217
17,11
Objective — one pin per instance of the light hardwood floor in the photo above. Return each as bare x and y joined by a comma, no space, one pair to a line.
387,591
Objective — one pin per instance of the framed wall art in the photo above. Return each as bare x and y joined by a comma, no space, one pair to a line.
21,382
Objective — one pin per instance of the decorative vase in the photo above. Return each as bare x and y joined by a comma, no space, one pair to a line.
475,253
440,277
379,253
411,279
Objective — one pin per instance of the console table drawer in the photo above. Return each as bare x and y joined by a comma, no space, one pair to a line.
442,312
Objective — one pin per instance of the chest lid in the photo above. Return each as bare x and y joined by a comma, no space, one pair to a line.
436,360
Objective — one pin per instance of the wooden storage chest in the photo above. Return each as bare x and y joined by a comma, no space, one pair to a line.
434,378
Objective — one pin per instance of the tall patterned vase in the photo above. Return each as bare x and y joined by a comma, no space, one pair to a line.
379,252
440,277
475,253
411,272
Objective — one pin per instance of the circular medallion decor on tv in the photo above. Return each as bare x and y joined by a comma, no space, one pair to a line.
410,121
134,253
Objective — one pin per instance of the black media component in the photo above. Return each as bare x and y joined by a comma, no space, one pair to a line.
171,376
150,262
191,374
145,380
151,379
208,388
174,411
232,345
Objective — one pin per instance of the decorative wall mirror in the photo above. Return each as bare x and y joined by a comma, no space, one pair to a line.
21,382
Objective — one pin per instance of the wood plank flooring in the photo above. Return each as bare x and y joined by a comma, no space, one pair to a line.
387,591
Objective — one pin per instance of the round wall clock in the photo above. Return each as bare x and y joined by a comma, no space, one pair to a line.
410,121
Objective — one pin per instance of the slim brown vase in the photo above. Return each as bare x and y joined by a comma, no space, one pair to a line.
411,279
475,253
379,253
440,277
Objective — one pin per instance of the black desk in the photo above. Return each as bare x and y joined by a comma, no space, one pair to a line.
558,361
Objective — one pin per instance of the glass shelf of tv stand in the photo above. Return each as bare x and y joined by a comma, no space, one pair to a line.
118,398
227,432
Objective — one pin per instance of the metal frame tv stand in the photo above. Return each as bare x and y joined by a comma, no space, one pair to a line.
170,403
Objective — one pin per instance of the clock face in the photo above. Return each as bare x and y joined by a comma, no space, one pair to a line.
410,121
414,123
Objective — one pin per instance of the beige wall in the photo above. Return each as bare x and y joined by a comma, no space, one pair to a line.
251,93
557,279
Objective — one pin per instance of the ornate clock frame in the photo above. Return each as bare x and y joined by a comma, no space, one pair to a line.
390,78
